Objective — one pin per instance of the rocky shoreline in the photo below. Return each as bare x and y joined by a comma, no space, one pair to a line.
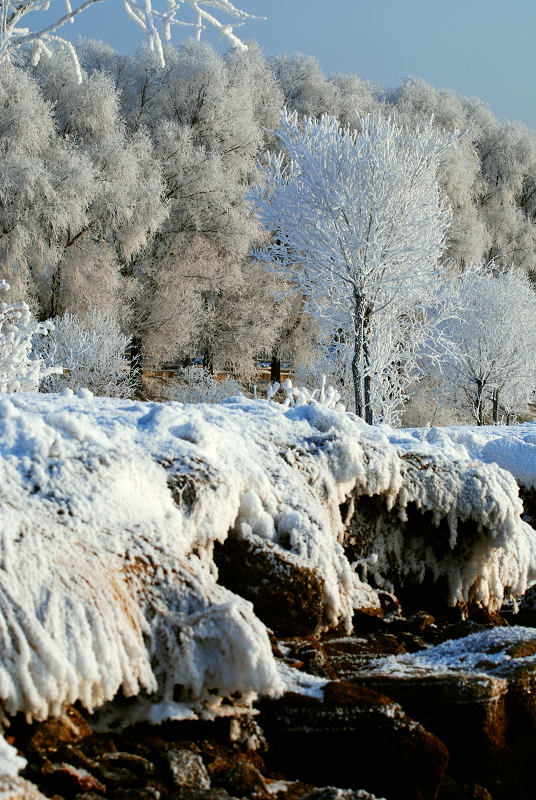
451,736
318,612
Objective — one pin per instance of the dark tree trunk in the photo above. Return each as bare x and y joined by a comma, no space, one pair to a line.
135,359
479,402
357,358
275,369
55,296
495,401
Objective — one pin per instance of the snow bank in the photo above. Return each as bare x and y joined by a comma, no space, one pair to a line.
512,447
100,587
111,509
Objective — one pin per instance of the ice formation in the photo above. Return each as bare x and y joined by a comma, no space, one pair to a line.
111,509
455,520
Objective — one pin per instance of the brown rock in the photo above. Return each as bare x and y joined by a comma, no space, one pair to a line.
186,769
48,736
239,774
451,790
346,740
199,794
466,711
332,793
349,654
68,780
125,770
287,596
292,790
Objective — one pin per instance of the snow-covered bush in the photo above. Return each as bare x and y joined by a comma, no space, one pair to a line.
329,366
91,352
325,395
18,371
197,385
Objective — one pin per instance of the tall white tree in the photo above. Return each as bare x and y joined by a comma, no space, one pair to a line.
358,227
492,354
125,205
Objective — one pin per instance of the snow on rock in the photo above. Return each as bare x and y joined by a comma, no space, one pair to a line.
111,511
493,652
100,589
512,447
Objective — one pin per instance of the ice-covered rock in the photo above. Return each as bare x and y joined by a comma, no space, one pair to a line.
111,512
477,694
454,525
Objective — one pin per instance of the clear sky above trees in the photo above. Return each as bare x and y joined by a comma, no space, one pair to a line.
476,47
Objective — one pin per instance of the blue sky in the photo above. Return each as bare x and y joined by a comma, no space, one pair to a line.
476,47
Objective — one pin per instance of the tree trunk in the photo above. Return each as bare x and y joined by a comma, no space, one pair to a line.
357,358
495,401
208,360
367,394
55,296
479,402
275,369
135,359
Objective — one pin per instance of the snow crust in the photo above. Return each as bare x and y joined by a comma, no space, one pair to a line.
110,510
512,447
492,652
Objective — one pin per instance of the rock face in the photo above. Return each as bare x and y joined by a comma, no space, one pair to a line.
467,712
351,732
286,595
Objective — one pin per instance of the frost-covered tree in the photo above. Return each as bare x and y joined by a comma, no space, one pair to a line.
358,228
87,352
204,113
46,185
124,205
492,353
310,92
461,184
19,372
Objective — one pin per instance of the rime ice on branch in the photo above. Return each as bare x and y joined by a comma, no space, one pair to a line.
14,37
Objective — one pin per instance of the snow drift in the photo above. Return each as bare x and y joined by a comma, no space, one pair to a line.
111,509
